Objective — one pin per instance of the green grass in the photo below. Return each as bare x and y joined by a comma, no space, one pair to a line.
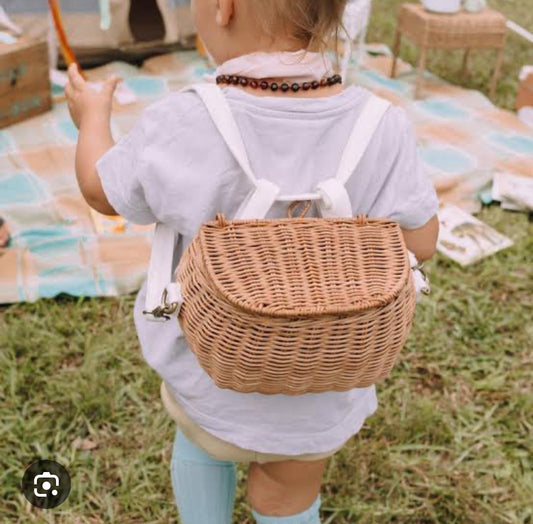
450,443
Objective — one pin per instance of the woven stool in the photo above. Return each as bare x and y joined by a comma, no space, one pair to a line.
484,30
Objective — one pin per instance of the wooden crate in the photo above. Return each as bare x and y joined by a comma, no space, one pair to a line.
24,81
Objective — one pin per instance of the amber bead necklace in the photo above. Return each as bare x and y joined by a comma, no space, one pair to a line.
284,87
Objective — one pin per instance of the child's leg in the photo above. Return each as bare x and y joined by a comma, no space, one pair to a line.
285,491
309,516
204,487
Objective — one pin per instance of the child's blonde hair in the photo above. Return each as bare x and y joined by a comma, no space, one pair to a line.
314,22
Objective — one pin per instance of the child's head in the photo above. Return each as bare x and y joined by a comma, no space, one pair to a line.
230,28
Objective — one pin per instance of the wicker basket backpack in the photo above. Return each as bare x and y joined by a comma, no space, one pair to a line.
293,305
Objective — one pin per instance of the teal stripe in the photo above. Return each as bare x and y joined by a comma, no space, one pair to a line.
20,188
522,145
82,285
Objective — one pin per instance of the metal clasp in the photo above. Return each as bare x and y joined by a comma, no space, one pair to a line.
427,288
165,311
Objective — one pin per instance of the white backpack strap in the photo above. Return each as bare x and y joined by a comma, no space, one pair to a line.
163,297
220,112
362,134
264,194
335,200
259,201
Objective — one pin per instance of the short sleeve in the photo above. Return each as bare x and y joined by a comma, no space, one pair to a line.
122,171
408,196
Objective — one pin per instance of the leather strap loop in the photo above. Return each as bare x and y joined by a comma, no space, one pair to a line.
295,204
335,201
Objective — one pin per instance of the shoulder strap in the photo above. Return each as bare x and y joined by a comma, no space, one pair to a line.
335,201
264,194
220,112
163,297
362,133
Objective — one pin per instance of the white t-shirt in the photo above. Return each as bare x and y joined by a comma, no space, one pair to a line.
175,168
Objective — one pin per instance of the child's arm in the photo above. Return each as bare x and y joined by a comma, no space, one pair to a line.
422,242
91,112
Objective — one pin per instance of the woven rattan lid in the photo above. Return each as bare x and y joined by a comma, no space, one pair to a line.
305,266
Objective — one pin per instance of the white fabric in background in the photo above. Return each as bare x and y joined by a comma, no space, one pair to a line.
298,65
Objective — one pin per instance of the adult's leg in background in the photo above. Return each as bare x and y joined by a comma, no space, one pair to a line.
286,487
204,487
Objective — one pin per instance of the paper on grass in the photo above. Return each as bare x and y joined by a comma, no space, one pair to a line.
465,239
513,191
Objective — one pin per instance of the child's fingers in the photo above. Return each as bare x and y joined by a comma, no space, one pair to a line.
110,85
68,90
75,78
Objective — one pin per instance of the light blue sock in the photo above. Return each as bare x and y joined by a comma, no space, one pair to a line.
309,516
204,487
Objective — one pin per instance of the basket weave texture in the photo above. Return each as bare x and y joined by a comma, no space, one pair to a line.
296,305
486,29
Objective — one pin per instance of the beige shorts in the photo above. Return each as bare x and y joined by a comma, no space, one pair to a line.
220,449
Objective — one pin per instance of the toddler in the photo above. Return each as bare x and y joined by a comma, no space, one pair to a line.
175,167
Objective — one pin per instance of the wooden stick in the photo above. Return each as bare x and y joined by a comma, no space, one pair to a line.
396,52
420,71
66,50
464,69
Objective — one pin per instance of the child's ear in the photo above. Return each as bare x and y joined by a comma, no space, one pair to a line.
224,12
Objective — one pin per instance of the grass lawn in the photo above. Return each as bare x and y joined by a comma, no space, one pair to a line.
451,442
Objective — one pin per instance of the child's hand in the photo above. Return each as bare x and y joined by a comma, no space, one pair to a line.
84,101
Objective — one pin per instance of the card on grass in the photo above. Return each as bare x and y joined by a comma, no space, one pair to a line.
465,239
513,191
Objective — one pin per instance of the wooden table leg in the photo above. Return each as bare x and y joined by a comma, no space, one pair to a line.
496,75
420,73
464,69
396,52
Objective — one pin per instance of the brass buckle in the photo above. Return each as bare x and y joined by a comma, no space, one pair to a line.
164,311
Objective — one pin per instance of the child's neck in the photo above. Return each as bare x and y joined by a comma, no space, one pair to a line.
266,44
283,46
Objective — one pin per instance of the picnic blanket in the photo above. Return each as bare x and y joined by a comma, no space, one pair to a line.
463,138
60,246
